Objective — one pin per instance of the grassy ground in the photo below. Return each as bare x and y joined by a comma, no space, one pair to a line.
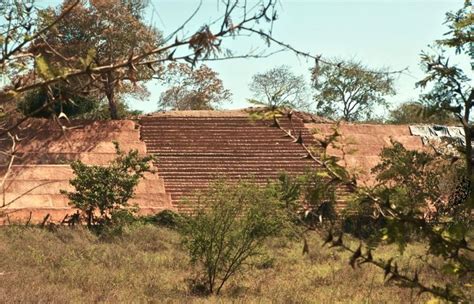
147,264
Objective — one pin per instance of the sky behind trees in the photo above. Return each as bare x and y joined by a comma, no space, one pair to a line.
388,33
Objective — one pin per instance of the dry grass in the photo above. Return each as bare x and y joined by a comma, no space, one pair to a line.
147,264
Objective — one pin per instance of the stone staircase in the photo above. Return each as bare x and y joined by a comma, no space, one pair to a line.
194,150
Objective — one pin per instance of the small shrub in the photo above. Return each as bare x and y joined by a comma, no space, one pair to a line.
165,218
229,230
101,191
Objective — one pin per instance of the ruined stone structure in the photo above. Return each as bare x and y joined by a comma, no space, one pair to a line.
196,147
193,148
40,169
359,145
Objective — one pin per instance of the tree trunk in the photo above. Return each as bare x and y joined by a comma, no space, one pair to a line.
89,218
468,137
110,93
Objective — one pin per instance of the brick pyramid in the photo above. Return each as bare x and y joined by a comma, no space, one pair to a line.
195,148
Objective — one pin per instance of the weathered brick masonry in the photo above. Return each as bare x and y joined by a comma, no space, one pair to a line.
40,169
193,149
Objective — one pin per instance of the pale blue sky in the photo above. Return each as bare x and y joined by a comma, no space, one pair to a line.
388,33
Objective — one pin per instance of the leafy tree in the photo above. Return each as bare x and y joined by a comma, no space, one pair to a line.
230,229
97,33
417,195
413,182
349,90
192,88
101,112
279,87
417,112
452,88
37,104
102,190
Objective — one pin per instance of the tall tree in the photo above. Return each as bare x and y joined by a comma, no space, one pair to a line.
100,32
279,87
452,88
192,89
349,90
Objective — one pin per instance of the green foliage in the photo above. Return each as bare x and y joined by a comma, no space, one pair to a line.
349,90
101,112
165,218
102,191
460,24
192,88
417,112
91,35
405,171
418,197
37,103
230,230
451,86
279,87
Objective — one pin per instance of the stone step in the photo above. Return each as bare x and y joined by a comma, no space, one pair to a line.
245,161
41,172
21,186
299,154
18,200
193,152
78,146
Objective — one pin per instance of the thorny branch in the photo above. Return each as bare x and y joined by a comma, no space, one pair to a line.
6,54
390,268
204,44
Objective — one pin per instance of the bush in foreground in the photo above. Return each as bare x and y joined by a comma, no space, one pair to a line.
102,191
230,229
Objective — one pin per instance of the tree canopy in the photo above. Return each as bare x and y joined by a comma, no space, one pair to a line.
279,87
97,33
109,70
413,112
349,90
192,89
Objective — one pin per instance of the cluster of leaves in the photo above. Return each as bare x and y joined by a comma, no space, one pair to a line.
101,191
452,88
49,102
192,88
414,199
230,229
17,24
36,103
